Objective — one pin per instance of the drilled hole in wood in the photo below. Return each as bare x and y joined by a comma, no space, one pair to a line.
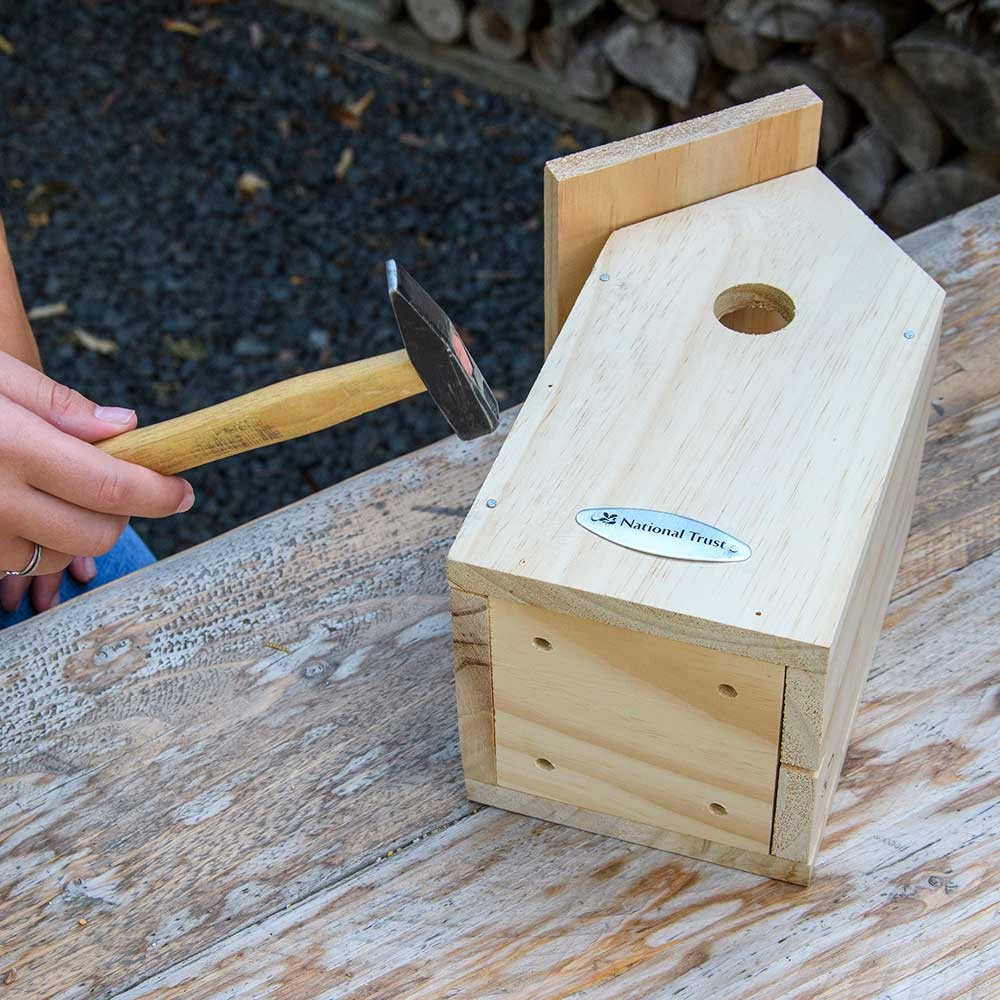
718,808
541,643
544,764
727,691
754,308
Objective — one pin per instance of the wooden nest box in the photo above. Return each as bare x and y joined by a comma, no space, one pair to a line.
668,592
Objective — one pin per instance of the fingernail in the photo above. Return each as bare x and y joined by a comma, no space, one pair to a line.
188,502
56,598
114,414
89,568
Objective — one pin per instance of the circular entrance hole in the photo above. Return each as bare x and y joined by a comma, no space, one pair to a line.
727,690
718,808
545,765
754,308
541,643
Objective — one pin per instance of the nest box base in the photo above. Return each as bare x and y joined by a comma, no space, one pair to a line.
553,811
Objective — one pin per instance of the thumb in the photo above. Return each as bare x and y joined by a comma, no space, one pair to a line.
61,406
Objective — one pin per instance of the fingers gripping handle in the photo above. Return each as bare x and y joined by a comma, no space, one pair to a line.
266,416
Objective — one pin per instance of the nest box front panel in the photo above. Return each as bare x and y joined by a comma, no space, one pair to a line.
750,362
635,726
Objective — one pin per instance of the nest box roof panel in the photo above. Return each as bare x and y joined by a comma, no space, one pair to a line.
653,397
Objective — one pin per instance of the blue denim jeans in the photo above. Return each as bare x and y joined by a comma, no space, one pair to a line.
128,555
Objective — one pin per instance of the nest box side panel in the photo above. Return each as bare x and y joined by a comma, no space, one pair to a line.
820,709
635,726
590,194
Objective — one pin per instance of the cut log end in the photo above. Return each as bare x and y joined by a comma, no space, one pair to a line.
635,109
865,169
660,57
441,21
587,73
494,36
566,13
737,46
960,78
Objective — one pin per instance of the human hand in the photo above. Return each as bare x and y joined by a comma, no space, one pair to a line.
58,491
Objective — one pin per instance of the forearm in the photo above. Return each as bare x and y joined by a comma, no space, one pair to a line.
16,337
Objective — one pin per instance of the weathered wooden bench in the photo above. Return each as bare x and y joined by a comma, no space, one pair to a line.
236,774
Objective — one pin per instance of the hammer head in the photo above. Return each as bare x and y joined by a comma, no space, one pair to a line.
440,358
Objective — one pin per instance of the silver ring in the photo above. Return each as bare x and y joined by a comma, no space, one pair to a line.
36,558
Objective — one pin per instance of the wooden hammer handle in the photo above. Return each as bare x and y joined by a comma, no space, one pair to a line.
275,413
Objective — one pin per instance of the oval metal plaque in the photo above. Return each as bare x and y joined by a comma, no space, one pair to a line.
661,534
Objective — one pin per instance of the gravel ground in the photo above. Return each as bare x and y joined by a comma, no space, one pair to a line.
123,138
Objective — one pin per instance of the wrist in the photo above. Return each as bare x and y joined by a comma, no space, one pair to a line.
16,337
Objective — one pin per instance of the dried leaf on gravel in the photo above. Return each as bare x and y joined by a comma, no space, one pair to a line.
99,345
412,139
185,348
360,106
43,198
49,311
182,27
461,97
164,392
344,163
349,115
250,183
341,116
5,46
567,141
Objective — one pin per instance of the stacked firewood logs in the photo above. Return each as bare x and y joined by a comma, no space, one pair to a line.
911,89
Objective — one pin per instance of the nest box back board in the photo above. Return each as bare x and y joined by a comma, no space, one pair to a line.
664,621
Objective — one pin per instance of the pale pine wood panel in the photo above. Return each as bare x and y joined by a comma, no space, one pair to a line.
906,888
807,740
783,439
635,726
590,194
470,624
808,779
804,796
552,811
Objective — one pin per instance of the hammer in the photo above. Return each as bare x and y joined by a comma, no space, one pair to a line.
434,359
